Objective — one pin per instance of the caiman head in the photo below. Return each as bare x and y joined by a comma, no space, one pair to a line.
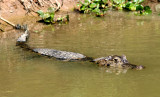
117,61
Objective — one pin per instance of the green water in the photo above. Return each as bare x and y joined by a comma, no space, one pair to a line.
25,74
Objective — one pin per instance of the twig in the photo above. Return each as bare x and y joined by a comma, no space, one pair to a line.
58,4
34,4
8,22
18,26
62,3
51,2
44,2
40,3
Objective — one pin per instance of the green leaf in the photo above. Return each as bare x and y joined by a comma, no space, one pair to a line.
119,7
97,0
103,6
96,10
128,4
138,1
104,10
116,1
105,1
78,5
85,4
139,8
87,10
119,1
82,8
132,7
67,17
59,19
147,10
46,15
40,12
99,14
51,10
123,5
97,6
87,1
92,5
52,17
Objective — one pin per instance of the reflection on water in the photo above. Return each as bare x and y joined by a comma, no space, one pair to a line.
114,70
25,74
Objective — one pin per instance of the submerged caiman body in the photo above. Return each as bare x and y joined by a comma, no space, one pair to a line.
110,61
62,55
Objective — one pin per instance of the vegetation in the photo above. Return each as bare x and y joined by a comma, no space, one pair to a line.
48,17
136,5
101,6
97,6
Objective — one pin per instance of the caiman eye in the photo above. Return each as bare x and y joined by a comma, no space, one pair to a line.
116,60
108,64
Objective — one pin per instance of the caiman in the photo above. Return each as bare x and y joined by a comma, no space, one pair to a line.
110,61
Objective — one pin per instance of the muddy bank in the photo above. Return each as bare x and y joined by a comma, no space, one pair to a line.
14,8
17,11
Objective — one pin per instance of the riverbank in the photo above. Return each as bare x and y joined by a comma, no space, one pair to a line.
14,8
16,12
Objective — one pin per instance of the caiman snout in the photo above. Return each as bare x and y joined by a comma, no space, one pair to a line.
140,67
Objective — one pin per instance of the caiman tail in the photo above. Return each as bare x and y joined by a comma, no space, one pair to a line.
22,40
62,55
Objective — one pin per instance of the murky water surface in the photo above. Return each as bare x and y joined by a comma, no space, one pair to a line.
25,74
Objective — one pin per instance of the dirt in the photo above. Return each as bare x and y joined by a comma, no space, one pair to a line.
13,8
14,11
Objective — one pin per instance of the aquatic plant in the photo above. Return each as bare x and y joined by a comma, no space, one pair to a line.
49,16
97,6
143,10
118,4
101,6
135,5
